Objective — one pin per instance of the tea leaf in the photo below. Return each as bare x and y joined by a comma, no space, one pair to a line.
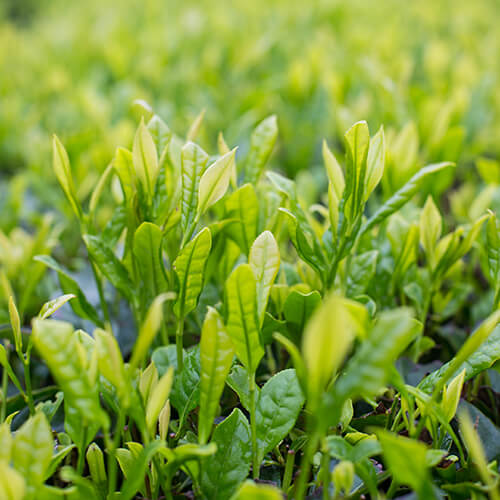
189,267
228,467
57,344
110,266
278,407
147,248
261,145
145,160
243,322
214,182
216,356
193,163
403,195
264,259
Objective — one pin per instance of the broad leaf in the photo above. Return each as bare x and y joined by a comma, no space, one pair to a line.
223,472
278,407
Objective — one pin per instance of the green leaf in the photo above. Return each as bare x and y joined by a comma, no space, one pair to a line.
479,352
252,491
214,182
299,307
278,407
243,206
361,273
111,364
369,369
97,192
334,171
430,228
223,472
110,266
261,145
359,454
216,356
357,140
62,169
58,345
147,248
124,167
133,483
79,304
145,160
407,461
149,329
32,451
157,399
12,483
238,381
451,395
193,162
190,267
185,453
264,259
327,339
243,322
49,308
375,162
185,394
161,135
403,195
493,251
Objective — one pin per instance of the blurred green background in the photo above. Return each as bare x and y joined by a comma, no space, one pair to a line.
75,68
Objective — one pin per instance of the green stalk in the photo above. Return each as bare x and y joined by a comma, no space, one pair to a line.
27,382
253,425
325,468
104,305
81,453
3,410
305,465
111,446
287,476
178,342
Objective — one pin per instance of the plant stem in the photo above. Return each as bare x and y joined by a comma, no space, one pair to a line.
287,476
305,465
253,425
178,342
112,446
27,382
104,305
3,410
325,467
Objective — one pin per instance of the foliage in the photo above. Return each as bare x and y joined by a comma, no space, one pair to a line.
180,317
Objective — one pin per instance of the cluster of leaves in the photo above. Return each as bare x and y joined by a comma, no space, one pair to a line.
272,335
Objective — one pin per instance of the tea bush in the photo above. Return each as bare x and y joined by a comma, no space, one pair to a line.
230,306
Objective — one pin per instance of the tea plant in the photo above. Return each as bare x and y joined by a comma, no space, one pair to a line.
274,338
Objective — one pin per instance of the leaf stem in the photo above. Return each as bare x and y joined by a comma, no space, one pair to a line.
253,425
112,445
287,475
305,465
27,382
325,467
104,305
3,410
178,342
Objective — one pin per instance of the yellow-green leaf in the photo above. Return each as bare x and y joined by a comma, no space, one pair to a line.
264,259
216,356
